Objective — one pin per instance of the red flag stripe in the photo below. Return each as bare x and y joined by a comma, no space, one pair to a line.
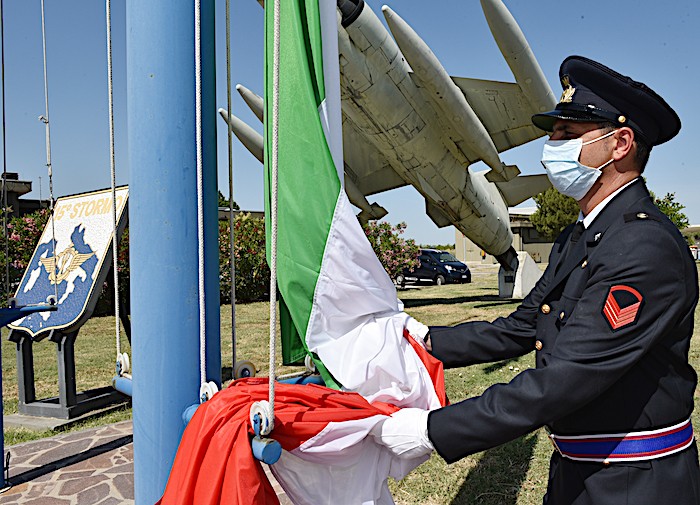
433,365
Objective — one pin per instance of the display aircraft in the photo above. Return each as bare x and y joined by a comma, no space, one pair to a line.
407,121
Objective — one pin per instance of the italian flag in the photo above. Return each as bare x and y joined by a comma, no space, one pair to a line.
336,301
337,304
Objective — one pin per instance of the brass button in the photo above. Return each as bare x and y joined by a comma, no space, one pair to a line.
585,262
546,309
642,215
538,345
561,315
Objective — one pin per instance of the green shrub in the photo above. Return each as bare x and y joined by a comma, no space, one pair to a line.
252,271
394,252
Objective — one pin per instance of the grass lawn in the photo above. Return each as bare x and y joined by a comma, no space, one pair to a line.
515,473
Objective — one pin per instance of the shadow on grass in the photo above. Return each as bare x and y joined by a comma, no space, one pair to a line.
499,303
495,367
499,475
491,300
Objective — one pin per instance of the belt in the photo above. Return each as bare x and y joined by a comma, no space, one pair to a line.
635,446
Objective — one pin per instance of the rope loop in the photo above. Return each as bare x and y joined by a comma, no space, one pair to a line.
266,413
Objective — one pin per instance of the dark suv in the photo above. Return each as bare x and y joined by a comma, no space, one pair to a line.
438,267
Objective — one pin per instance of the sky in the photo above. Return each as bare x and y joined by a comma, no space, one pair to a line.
652,42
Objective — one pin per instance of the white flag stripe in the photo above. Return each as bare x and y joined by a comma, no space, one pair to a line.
328,13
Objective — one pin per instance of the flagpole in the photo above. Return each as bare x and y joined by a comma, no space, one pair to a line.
162,153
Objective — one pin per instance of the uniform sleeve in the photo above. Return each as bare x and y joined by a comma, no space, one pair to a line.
506,337
590,353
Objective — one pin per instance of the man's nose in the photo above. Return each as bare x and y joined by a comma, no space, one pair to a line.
555,136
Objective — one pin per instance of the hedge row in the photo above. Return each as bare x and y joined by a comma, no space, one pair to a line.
252,271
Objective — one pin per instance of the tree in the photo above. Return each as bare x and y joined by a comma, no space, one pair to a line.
554,213
673,209
223,202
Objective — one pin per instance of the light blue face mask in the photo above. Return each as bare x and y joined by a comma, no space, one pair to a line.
565,172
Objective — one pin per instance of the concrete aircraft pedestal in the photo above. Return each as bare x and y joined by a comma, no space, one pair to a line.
519,283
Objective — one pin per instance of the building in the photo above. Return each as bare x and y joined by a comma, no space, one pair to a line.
224,213
15,189
525,238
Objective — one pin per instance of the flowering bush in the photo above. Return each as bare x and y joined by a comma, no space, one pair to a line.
394,252
18,241
252,271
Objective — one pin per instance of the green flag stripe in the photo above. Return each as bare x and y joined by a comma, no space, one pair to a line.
308,184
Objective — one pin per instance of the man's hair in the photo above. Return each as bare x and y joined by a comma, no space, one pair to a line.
641,154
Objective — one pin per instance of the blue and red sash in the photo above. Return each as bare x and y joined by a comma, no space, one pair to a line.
636,446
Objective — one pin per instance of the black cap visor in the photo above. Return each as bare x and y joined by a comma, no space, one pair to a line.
584,114
545,121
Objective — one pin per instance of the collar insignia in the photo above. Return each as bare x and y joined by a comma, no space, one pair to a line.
622,306
568,93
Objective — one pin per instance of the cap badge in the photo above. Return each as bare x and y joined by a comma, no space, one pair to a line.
568,93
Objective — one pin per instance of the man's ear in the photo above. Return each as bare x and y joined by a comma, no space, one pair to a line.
624,140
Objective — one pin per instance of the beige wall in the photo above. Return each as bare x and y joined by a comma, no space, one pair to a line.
525,238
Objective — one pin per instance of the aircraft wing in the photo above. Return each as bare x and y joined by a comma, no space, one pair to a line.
503,109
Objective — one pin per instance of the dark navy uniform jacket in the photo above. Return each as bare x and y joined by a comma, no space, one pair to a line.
599,370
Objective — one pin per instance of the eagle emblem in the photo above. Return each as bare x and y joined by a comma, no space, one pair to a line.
568,93
60,267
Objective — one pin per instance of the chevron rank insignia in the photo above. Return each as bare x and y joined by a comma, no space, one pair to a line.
622,306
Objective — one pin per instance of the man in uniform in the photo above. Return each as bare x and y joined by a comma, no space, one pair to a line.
610,320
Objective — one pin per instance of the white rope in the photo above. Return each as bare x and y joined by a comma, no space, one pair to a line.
115,243
273,203
231,217
200,188
45,120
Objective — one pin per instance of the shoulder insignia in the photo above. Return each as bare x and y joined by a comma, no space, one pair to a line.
622,306
639,216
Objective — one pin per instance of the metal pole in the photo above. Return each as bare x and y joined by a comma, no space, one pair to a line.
6,284
231,216
163,227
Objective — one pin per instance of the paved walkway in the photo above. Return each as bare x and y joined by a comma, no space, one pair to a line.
91,467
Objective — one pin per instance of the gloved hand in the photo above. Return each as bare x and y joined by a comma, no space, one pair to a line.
417,330
405,433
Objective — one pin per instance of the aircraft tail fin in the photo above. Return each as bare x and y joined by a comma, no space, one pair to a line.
521,188
503,174
376,211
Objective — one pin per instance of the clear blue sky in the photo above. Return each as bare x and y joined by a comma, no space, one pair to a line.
653,42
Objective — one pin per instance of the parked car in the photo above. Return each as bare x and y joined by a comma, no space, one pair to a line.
438,267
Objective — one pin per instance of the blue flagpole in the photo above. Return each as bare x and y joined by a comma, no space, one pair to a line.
163,228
